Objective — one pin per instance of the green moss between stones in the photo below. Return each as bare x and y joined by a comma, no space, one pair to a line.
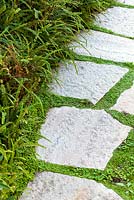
119,173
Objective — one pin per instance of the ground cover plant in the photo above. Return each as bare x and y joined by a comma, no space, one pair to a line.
33,39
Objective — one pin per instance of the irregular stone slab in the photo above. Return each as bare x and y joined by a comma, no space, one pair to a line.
128,2
119,20
104,45
125,103
91,82
81,138
52,186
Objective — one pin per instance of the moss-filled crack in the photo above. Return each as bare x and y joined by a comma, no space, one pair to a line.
105,30
129,65
111,97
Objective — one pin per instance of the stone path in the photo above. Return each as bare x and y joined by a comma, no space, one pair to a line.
91,82
111,20
50,186
104,45
87,137
80,137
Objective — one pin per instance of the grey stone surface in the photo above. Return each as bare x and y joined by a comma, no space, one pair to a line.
51,186
119,20
128,2
125,103
106,46
91,82
80,137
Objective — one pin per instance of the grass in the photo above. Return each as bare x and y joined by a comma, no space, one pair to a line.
33,39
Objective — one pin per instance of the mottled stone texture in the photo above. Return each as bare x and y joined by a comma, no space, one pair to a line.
119,20
91,81
128,2
80,137
51,186
125,103
106,46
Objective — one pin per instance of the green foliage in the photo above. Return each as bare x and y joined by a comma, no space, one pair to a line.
33,39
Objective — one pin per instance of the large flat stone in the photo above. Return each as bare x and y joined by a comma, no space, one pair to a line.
91,82
128,2
51,186
106,46
81,138
125,103
119,20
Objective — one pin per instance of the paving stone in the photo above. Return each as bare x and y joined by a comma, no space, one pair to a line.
128,2
106,46
91,82
119,20
125,103
52,186
80,137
